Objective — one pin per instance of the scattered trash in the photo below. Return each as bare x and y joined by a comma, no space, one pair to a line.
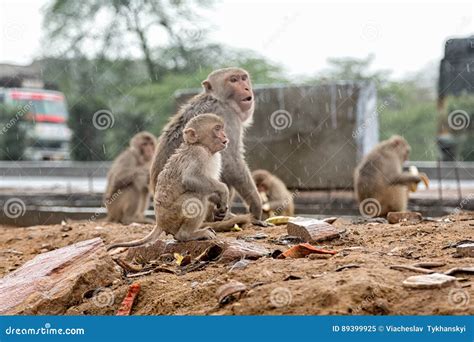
276,253
129,300
429,264
404,216
319,256
11,251
229,292
127,266
364,220
429,281
236,228
302,250
65,227
286,240
166,258
150,271
455,244
278,220
411,268
258,236
330,220
211,253
465,250
292,277
239,265
312,230
343,267
455,270
182,260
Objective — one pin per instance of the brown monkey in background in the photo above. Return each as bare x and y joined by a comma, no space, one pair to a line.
127,194
279,200
380,184
189,180
227,93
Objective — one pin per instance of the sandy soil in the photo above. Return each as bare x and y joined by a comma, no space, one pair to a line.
307,286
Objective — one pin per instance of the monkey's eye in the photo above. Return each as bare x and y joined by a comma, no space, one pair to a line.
218,127
233,79
244,77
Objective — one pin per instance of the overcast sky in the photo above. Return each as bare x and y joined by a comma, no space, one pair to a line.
404,36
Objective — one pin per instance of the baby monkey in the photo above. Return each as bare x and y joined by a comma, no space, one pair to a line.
189,182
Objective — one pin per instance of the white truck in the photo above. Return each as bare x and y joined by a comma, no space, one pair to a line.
48,136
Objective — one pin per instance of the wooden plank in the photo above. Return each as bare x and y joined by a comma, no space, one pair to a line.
53,281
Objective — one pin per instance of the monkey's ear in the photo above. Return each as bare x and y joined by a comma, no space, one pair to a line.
207,86
190,136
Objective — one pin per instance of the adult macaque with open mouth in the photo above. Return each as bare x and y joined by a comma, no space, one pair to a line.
227,93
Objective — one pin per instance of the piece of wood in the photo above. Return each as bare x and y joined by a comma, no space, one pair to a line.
429,264
465,250
429,281
55,280
223,250
455,270
411,268
230,291
127,303
404,216
312,230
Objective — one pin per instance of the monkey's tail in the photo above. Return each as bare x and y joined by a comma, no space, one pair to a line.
227,225
150,238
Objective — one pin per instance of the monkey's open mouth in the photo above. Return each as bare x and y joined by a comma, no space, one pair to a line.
247,99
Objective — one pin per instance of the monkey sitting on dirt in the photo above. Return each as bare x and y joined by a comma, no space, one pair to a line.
227,93
278,200
380,184
188,182
127,194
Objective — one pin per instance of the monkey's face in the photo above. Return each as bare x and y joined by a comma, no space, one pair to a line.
232,86
147,149
241,90
218,138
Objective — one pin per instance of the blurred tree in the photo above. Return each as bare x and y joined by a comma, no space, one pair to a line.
12,133
106,28
352,69
87,139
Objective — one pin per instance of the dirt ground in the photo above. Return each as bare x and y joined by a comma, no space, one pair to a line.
306,286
